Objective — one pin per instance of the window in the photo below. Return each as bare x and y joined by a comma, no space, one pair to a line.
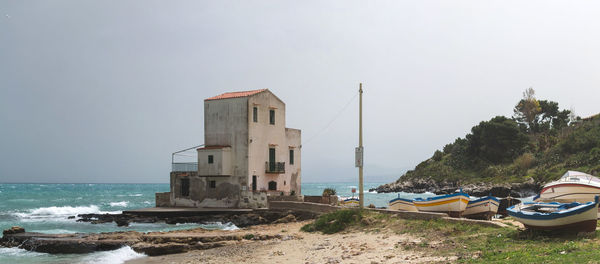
211,159
272,116
255,114
212,184
272,186
291,157
185,187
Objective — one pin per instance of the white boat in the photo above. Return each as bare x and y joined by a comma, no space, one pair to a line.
580,217
483,208
573,186
401,204
349,202
452,204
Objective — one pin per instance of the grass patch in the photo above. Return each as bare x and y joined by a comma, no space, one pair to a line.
334,222
471,243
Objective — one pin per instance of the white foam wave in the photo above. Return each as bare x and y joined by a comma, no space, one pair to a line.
121,204
136,195
18,252
60,211
114,256
220,226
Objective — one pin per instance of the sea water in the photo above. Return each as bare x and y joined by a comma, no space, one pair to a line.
45,208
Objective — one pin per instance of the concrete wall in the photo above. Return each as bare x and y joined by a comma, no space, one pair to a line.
333,200
163,199
302,206
293,139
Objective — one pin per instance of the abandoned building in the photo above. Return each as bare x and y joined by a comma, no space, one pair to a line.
247,155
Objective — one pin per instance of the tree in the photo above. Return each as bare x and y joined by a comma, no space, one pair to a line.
527,109
498,140
549,117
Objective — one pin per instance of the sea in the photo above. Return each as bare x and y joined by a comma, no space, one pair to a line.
45,208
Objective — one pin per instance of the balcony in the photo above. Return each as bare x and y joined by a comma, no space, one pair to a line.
274,167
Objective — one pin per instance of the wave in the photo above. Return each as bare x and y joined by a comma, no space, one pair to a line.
18,252
114,256
136,195
219,226
61,212
120,204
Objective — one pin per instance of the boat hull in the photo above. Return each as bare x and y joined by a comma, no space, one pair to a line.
453,204
484,208
580,219
350,202
399,204
569,192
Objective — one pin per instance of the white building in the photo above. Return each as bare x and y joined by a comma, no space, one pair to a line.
248,154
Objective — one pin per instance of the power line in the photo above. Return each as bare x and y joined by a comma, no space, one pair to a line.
332,120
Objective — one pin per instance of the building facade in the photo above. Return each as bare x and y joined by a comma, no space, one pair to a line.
248,154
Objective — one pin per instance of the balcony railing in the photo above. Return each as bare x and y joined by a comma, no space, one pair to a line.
184,166
275,167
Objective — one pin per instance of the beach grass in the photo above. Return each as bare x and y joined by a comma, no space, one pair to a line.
468,242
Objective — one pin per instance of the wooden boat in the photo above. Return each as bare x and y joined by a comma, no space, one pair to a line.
452,204
402,204
573,186
579,217
350,202
483,208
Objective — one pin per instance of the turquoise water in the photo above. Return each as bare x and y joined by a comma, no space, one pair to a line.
45,208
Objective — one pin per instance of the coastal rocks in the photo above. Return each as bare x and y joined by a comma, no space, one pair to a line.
445,187
13,230
286,219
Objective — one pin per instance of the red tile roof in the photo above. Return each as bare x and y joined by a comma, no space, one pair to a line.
214,147
235,94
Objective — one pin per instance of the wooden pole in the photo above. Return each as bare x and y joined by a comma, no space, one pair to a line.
361,195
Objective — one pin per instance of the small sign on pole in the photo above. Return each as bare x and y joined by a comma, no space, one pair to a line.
353,190
358,161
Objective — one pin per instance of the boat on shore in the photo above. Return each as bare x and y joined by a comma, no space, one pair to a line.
349,202
573,186
402,204
482,208
453,204
577,217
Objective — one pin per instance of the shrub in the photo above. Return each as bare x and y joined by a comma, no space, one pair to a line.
329,192
334,222
525,162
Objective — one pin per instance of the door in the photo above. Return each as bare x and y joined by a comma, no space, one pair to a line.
254,182
271,159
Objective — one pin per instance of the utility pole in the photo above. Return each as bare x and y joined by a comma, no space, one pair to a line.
360,152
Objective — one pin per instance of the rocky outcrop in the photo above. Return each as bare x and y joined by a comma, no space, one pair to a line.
445,187
257,217
13,230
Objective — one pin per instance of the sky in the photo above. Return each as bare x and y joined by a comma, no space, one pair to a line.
105,91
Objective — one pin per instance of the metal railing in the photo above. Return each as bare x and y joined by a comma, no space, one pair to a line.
275,167
184,166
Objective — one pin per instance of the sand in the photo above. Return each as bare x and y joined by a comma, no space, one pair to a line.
296,246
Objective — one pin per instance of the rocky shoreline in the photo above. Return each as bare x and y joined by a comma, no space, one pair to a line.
152,243
517,190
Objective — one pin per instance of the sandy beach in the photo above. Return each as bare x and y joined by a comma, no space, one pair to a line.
295,246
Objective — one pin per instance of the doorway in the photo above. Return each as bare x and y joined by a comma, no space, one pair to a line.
253,182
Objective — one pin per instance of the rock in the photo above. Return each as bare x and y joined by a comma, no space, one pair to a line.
13,230
517,190
286,219
122,222
71,217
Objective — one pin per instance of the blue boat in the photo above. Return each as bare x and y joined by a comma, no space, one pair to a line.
453,204
580,217
482,208
402,204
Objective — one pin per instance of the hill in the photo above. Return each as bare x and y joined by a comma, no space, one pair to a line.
510,156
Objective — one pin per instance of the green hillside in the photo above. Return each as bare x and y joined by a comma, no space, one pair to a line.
539,142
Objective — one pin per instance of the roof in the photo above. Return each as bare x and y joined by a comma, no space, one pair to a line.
235,95
214,147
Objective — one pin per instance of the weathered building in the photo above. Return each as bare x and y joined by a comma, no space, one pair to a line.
248,154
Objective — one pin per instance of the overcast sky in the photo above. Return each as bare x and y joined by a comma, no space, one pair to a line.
105,91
